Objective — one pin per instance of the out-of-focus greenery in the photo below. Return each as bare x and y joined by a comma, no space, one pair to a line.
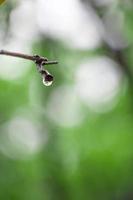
92,160
2,1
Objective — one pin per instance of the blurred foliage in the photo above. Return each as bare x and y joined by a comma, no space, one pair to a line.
90,161
2,1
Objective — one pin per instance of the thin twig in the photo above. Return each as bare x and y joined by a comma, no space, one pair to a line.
36,58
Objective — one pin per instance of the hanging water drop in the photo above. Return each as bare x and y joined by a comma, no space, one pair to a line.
48,80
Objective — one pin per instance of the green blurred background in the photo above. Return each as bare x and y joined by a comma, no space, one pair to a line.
74,139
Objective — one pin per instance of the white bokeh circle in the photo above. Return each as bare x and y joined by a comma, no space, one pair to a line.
98,81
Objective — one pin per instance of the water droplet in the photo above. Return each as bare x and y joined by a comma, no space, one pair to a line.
48,80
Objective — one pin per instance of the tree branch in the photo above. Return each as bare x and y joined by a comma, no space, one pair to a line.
37,59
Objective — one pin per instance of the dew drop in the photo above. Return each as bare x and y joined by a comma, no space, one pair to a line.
47,83
48,80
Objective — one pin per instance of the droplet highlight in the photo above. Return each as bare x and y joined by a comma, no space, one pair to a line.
48,80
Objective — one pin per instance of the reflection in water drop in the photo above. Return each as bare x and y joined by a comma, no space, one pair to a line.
47,83
48,80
